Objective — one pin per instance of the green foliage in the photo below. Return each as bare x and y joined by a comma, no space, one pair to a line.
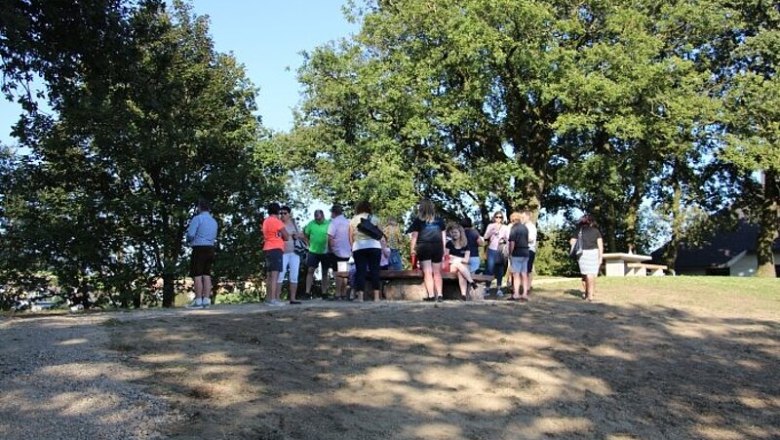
552,254
150,119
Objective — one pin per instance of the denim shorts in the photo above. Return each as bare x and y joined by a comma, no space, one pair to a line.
519,264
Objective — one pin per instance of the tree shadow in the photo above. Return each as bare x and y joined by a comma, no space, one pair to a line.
552,368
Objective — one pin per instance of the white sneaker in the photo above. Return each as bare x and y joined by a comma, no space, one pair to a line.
275,303
499,293
206,302
196,303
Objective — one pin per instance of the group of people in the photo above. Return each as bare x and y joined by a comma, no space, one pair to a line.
331,244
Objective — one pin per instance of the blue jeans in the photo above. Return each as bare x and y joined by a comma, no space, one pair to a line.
474,263
495,265
394,262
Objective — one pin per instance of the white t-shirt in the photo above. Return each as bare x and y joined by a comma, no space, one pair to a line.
531,236
339,231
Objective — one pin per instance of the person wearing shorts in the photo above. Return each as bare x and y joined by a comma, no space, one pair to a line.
201,235
338,240
316,232
274,235
518,251
428,239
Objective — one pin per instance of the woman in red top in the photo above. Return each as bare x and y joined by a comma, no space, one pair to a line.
274,236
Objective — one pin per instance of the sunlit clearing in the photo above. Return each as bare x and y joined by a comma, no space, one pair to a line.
76,341
433,431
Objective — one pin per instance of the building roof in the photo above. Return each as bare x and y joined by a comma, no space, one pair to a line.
721,248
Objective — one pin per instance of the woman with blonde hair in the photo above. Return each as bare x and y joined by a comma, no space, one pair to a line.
519,255
427,243
458,250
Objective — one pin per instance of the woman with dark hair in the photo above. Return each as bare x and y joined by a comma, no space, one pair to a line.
428,238
366,251
496,235
592,253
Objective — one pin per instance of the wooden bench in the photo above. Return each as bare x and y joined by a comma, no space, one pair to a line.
408,284
642,269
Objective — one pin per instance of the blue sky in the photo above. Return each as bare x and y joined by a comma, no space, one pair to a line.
266,36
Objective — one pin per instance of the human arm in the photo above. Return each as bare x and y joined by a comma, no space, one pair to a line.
413,242
192,229
283,233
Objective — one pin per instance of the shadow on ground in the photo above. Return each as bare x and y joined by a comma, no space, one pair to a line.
556,367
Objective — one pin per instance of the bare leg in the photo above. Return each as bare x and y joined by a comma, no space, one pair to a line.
309,280
206,293
523,278
324,282
376,295
197,286
516,281
437,282
584,286
293,291
427,268
462,283
341,287
271,285
591,287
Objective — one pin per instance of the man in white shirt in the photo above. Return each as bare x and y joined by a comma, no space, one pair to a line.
338,241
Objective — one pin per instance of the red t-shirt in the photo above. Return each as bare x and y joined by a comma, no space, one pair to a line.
271,233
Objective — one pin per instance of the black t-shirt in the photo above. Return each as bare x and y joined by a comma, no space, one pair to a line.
472,236
457,252
427,232
519,235
590,235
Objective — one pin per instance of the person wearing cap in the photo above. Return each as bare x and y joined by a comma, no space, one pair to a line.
316,232
340,247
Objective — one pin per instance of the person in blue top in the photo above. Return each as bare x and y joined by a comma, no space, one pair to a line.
201,236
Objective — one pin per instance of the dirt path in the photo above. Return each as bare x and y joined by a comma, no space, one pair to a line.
556,367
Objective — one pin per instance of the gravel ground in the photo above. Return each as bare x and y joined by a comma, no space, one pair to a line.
61,380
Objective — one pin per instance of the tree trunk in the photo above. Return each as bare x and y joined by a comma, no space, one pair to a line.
769,226
168,290
670,254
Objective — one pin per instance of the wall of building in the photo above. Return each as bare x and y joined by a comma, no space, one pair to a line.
746,266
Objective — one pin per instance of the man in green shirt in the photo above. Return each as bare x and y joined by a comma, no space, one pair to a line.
316,232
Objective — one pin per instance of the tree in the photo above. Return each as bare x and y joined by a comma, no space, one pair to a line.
150,118
752,98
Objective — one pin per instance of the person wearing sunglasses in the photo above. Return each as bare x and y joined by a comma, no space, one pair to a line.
290,260
496,234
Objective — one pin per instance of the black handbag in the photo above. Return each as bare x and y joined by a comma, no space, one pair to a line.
576,249
365,226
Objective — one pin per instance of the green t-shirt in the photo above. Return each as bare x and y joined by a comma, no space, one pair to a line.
317,233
